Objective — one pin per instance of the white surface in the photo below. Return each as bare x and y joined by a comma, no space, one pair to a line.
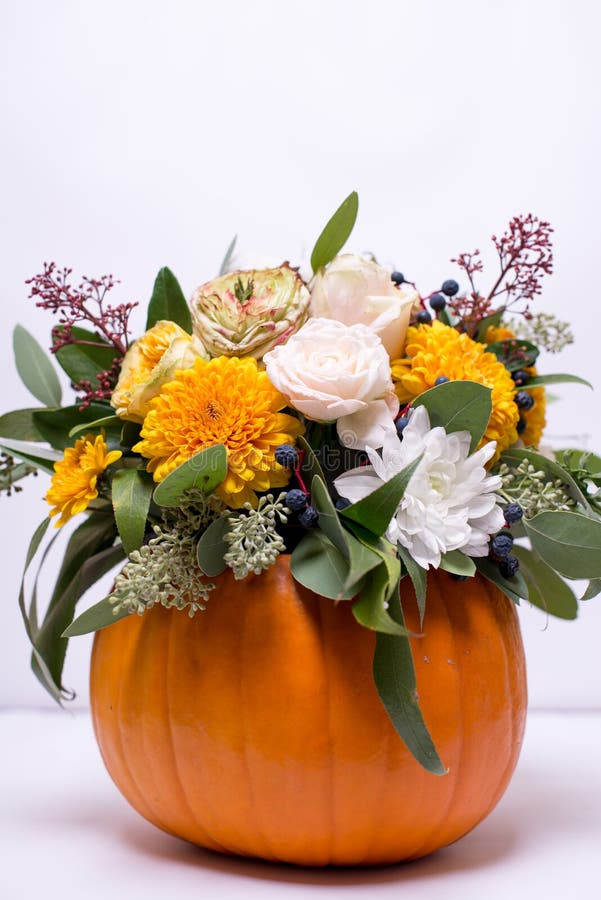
66,833
144,133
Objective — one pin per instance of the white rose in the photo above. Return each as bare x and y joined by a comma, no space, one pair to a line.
355,290
333,372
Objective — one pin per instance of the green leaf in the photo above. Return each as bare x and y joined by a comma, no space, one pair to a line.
224,268
514,353
130,434
515,587
484,324
204,472
394,675
549,467
83,362
35,369
40,457
320,567
43,672
131,493
212,547
19,425
79,570
94,618
376,511
545,588
371,609
418,578
168,302
329,521
457,563
569,542
593,589
336,233
459,406
310,466
102,423
558,378
55,424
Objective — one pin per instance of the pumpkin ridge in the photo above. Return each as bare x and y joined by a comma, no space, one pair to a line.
257,830
177,777
329,795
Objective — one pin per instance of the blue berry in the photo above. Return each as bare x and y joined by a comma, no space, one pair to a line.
437,302
424,317
342,503
296,500
521,426
509,566
502,544
513,512
442,379
450,287
524,400
401,423
286,456
520,377
397,277
308,518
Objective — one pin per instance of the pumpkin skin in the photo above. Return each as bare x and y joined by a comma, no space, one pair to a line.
255,728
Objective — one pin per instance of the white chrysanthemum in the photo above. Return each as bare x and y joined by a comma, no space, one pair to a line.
449,503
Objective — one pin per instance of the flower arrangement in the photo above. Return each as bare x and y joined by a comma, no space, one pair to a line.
370,431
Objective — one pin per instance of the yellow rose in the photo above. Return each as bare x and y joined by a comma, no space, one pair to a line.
151,362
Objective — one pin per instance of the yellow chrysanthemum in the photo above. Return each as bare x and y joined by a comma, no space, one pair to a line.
438,350
74,483
534,418
226,401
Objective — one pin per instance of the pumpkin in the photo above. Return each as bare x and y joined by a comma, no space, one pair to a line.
255,728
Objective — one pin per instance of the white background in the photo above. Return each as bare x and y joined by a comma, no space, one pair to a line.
142,134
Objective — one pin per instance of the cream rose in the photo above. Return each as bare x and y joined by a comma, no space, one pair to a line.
355,290
331,372
151,362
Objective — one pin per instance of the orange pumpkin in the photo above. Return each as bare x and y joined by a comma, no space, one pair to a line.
255,728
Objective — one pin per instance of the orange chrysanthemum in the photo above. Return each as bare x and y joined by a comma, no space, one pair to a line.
534,418
438,350
226,401
75,479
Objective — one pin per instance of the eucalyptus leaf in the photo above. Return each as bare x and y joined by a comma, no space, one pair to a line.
310,465
376,511
336,233
459,406
557,378
418,578
545,588
131,495
84,361
100,615
329,521
514,353
40,457
35,369
457,563
104,422
592,590
320,567
224,268
55,424
569,542
204,472
371,608
19,425
168,302
394,676
515,587
212,547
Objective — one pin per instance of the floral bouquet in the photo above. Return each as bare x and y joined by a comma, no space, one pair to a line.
385,444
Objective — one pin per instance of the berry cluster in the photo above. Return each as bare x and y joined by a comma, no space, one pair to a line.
501,544
297,499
